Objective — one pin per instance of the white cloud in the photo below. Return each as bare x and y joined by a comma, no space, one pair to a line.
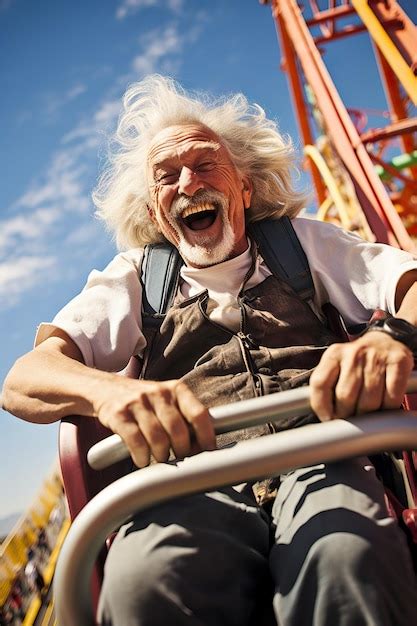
88,132
21,274
157,46
175,5
160,47
80,131
62,184
128,7
107,114
26,227
56,102
83,234
41,220
36,195
75,91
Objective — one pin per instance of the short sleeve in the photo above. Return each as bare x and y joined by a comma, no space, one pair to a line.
356,276
105,320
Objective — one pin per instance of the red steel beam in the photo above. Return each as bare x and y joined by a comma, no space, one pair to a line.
297,93
391,130
339,34
380,213
331,14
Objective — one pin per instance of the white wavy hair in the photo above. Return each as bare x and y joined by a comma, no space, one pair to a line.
257,148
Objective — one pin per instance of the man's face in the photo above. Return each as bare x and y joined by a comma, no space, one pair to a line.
198,195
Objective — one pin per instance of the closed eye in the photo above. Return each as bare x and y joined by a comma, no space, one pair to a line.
206,166
167,179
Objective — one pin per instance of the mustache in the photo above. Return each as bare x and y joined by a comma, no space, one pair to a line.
200,197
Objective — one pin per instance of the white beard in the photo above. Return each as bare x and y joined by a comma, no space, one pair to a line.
206,252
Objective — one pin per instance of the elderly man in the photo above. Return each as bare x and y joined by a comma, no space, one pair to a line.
195,172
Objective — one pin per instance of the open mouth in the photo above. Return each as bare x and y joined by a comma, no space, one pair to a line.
199,217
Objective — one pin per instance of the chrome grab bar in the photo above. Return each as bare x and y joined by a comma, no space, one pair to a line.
228,417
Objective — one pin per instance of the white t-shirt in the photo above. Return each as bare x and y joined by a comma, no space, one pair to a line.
104,320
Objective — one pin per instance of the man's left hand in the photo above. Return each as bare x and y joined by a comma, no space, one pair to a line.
368,374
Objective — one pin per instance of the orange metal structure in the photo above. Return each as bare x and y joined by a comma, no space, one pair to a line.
364,177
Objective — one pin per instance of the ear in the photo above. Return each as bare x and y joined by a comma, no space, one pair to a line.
151,214
247,191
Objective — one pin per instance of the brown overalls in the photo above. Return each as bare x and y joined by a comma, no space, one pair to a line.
279,342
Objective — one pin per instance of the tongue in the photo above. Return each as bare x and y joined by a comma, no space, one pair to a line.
200,221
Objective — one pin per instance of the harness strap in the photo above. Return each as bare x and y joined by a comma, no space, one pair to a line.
277,243
160,273
282,252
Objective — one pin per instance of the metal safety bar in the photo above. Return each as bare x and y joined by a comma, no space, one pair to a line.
246,461
243,414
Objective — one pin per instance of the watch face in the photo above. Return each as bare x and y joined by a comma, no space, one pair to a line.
402,331
399,329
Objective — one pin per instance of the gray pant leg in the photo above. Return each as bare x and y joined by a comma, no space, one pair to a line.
339,559
201,560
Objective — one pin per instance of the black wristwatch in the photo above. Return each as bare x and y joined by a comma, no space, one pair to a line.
398,329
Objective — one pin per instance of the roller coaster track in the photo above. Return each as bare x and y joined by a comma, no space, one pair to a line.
47,514
383,188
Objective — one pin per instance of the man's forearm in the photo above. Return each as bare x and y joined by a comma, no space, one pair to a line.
45,386
152,417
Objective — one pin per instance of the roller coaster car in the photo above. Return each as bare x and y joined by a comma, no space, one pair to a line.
327,442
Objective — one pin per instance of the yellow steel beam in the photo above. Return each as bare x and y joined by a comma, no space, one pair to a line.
387,47
329,181
343,207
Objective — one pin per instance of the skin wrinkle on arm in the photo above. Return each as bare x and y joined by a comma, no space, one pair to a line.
150,416
34,390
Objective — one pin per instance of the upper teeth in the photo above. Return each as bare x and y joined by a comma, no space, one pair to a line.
196,209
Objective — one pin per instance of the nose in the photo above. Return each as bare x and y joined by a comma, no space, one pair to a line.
189,182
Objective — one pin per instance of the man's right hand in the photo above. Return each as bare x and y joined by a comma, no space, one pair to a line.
51,382
154,417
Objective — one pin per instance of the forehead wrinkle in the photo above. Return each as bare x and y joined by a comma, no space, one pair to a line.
158,157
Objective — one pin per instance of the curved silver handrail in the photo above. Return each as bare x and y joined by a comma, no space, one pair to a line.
247,460
228,417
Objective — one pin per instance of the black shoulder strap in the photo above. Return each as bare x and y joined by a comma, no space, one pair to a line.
282,252
278,245
159,276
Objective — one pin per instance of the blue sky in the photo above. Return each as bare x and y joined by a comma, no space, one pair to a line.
64,67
